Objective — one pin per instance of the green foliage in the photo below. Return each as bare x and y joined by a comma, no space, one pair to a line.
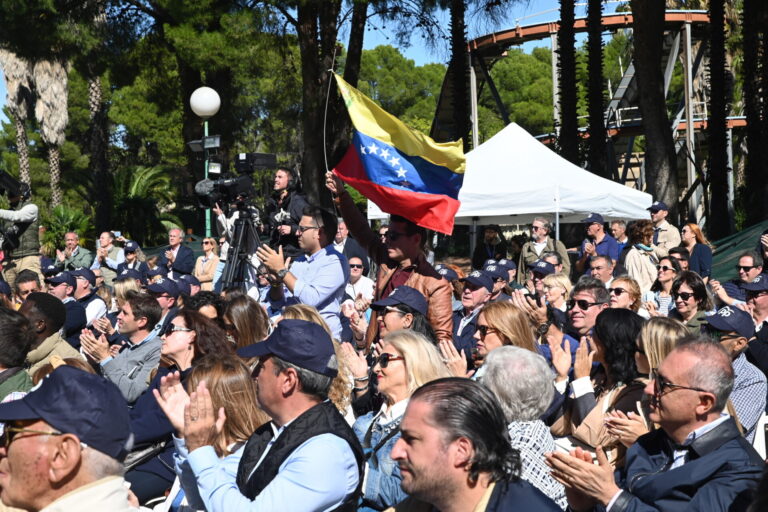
61,220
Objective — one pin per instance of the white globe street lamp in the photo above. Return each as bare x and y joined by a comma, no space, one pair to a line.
205,103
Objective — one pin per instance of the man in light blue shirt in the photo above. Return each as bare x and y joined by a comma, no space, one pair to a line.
319,277
307,457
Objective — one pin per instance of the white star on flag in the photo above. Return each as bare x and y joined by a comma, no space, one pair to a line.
384,153
401,173
394,161
362,149
372,149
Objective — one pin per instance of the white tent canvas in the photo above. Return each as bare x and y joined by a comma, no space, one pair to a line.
513,177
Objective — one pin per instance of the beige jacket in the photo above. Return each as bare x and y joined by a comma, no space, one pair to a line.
106,494
641,266
204,272
528,255
53,345
669,237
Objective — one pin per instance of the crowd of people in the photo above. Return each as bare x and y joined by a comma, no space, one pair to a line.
351,372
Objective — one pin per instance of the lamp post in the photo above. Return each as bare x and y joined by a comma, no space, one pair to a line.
205,102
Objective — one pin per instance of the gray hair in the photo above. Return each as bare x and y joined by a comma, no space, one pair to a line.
312,383
547,223
713,370
621,223
552,254
100,465
521,380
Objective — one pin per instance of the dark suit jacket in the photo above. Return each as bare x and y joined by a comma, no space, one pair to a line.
354,249
184,263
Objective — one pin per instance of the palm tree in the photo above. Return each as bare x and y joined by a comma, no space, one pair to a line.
458,67
51,86
18,73
568,139
597,146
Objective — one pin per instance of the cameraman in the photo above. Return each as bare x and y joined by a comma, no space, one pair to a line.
283,213
225,226
22,243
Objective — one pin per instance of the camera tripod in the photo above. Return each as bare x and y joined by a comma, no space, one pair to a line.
243,245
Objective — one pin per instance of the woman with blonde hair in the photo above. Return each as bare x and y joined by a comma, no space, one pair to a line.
205,266
406,361
231,388
341,387
699,248
245,321
557,288
625,293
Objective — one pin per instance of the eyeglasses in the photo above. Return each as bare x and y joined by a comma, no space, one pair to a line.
484,330
683,295
175,328
582,304
536,228
661,385
302,229
617,291
384,359
745,268
10,433
664,268
393,309
383,235
355,265
206,242
393,235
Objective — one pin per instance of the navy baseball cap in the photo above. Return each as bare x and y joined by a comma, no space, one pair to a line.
164,285
489,261
496,271
759,284
440,266
159,271
592,218
62,277
448,273
411,297
131,246
190,279
299,342
73,401
130,273
658,206
479,278
86,274
5,289
542,267
508,264
728,319
49,270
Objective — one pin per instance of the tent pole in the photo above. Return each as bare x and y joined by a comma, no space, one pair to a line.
557,212
472,237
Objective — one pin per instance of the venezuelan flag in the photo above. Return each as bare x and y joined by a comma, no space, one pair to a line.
403,171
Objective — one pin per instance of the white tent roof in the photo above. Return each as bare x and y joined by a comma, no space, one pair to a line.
513,177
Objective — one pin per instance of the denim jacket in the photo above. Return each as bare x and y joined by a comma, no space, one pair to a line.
381,487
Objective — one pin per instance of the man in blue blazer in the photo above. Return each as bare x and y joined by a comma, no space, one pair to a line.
176,258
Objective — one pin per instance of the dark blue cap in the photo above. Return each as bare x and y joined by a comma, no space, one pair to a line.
728,319
76,402
158,271
440,266
85,273
508,264
542,267
5,289
448,273
62,277
479,278
183,287
496,271
592,218
164,285
190,279
130,246
49,270
759,284
658,206
130,273
411,297
489,261
299,342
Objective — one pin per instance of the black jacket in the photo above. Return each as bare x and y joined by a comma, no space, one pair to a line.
352,249
287,213
184,262
721,473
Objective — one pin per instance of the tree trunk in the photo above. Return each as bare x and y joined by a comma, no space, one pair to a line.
22,149
660,161
597,146
355,46
756,170
98,149
458,67
719,225
55,169
568,138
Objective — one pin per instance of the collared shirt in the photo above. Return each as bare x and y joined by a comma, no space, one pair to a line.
111,263
320,282
605,247
748,395
385,417
466,319
339,246
318,475
131,368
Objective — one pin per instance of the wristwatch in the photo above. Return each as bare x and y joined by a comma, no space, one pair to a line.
281,273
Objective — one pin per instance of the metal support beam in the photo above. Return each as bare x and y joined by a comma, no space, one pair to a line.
673,52
690,162
731,186
473,104
492,86
555,80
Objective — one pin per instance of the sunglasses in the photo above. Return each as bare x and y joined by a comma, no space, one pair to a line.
355,265
617,291
683,295
302,229
582,304
393,235
754,295
484,330
745,268
664,268
384,359
10,432
170,329
662,385
206,242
